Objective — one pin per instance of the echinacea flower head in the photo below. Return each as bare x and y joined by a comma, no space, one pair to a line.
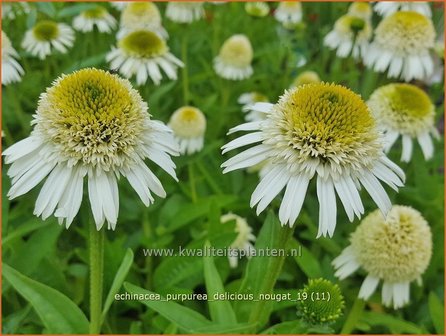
12,71
141,16
235,57
185,11
46,35
90,124
247,100
386,8
395,249
119,5
407,111
401,45
189,125
143,53
289,12
257,8
306,77
319,130
97,16
316,309
361,9
244,238
350,35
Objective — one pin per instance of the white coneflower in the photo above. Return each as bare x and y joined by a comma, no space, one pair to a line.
350,35
189,125
46,35
97,16
243,241
362,10
306,77
141,16
12,71
235,57
289,13
401,45
406,110
396,249
143,53
316,130
184,11
257,8
247,100
386,8
90,124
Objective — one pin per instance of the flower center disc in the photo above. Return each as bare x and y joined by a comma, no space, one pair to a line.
188,122
94,13
407,32
144,44
46,30
237,51
143,10
92,116
410,100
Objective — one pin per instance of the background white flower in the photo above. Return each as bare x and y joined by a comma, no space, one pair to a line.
386,8
395,249
12,71
98,16
185,11
46,35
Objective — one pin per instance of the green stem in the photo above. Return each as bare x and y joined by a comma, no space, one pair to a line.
353,316
96,275
193,189
184,70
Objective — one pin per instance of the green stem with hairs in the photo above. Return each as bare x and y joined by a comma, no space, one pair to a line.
193,189
353,316
96,277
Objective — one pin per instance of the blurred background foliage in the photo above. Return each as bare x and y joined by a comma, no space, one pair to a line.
189,216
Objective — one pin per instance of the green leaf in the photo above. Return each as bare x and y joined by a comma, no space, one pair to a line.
117,281
47,8
25,229
226,329
186,319
288,327
306,261
436,310
75,9
394,324
221,310
58,313
262,271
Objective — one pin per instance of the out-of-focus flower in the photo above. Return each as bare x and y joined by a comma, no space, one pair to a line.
316,130
362,10
46,35
184,11
289,13
386,8
257,8
11,10
407,111
189,125
396,249
243,241
401,46
143,53
119,5
90,124
350,35
248,99
141,16
235,57
12,71
306,77
98,17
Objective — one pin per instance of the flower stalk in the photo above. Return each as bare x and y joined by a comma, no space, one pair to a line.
96,277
